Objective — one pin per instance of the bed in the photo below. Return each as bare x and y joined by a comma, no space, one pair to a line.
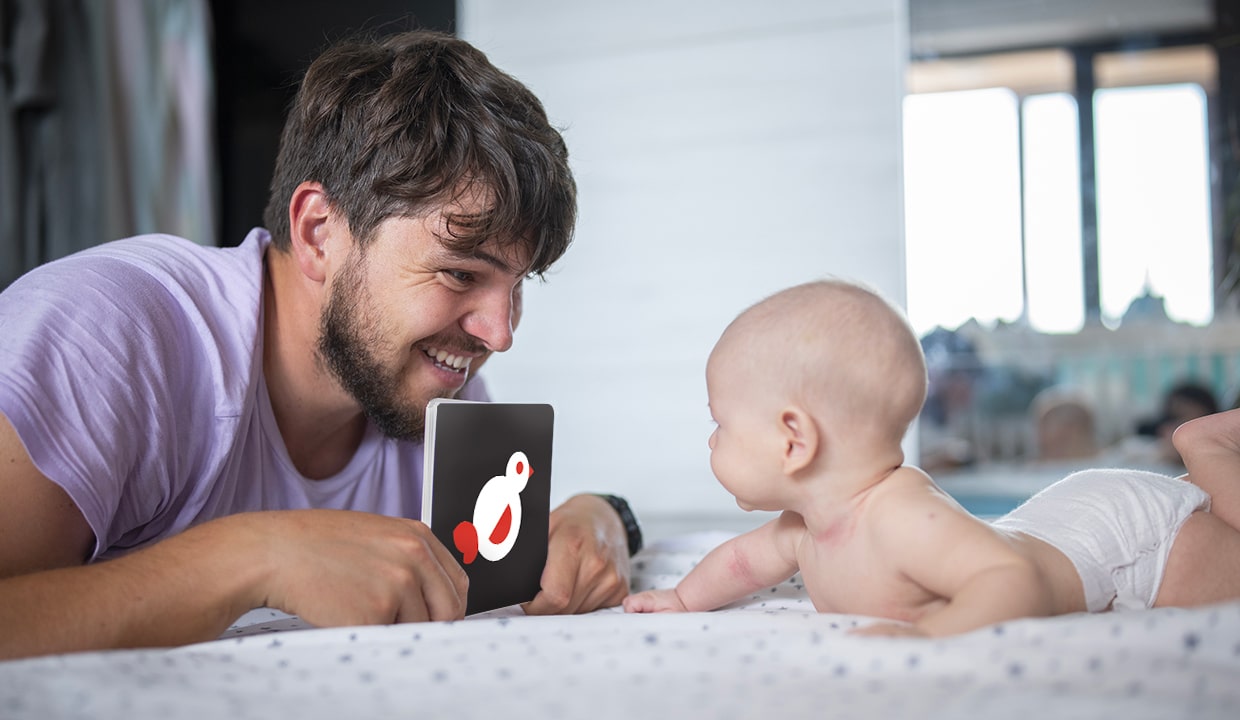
768,656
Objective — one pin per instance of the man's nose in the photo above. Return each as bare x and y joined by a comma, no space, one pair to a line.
492,321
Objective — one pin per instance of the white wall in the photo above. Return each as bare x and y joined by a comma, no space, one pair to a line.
723,150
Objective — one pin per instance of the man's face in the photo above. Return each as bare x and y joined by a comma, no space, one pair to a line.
408,320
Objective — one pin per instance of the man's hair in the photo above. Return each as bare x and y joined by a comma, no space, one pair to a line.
404,124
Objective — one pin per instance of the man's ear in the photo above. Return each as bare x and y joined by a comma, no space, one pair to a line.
311,221
800,439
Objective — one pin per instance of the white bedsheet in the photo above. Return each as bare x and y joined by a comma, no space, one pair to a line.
770,656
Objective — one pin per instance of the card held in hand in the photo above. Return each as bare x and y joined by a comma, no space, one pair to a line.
486,494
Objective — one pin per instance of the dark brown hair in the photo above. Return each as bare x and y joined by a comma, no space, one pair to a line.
400,125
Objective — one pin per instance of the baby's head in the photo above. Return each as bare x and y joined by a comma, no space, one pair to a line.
833,349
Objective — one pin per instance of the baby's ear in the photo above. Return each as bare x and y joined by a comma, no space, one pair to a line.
800,439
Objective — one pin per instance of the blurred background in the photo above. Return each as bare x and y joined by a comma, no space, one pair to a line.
1048,186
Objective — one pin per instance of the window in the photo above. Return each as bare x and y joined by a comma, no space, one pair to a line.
1154,234
1059,236
993,183
1052,200
962,207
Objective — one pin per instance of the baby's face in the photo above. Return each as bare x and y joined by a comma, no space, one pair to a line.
743,448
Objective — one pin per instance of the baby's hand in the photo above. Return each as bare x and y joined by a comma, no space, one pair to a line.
889,629
653,601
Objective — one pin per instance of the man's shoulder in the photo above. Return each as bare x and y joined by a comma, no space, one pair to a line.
176,262
152,306
133,270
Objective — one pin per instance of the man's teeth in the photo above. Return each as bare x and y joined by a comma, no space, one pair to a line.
443,357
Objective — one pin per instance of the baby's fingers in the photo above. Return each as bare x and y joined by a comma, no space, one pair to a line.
652,601
643,602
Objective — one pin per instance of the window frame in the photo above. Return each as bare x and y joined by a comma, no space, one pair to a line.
1082,83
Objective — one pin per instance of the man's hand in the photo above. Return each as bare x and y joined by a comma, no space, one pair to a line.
331,567
587,559
337,567
654,601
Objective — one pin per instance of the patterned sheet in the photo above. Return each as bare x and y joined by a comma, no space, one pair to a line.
769,656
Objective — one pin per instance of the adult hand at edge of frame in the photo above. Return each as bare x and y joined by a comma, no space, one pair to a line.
342,567
587,559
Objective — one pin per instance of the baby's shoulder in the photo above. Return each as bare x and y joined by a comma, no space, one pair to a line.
906,496
904,484
911,474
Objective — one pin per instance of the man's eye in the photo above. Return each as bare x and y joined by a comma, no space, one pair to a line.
461,276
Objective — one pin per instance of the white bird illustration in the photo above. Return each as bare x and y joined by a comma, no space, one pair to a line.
497,514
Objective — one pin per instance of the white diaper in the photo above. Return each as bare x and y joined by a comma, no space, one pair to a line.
1116,526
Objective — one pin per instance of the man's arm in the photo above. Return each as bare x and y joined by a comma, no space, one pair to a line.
330,567
49,602
40,527
758,559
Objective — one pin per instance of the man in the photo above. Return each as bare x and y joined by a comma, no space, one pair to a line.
235,428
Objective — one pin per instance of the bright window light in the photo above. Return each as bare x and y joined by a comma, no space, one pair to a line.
962,208
1054,273
1153,200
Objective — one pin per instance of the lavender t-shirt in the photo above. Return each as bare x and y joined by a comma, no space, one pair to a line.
133,374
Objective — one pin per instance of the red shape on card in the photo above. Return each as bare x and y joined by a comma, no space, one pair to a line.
502,527
465,537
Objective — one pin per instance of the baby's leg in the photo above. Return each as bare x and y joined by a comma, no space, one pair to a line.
1204,564
1210,447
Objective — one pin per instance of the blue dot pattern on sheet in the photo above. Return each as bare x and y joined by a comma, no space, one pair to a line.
770,656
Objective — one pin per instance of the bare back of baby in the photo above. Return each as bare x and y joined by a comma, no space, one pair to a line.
907,549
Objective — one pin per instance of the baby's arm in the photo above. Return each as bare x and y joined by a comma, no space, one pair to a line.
930,540
758,559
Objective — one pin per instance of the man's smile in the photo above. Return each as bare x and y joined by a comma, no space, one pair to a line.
447,360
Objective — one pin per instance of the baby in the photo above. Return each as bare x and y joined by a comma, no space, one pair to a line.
812,391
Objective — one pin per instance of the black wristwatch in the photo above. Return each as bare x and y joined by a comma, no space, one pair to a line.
631,528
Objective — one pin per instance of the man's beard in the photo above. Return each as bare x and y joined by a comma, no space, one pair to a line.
346,336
